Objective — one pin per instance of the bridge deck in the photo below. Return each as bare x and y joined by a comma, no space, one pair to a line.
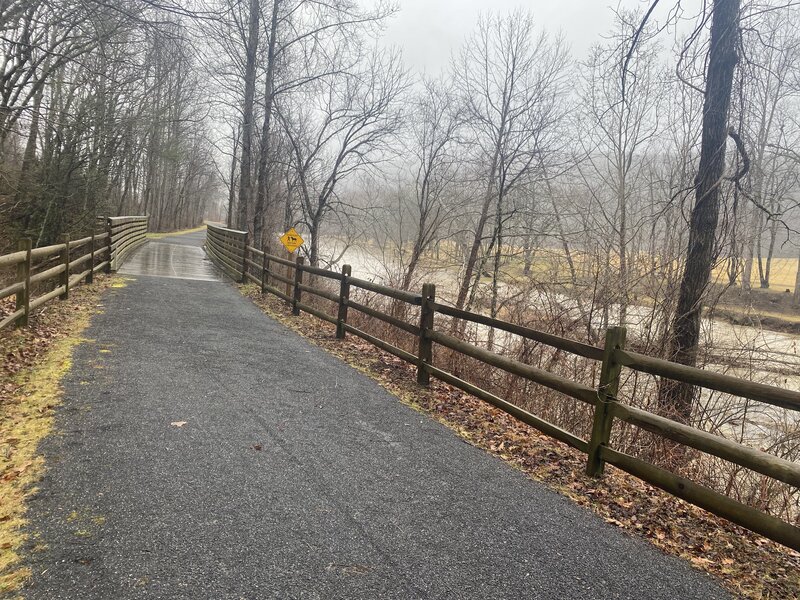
178,256
205,451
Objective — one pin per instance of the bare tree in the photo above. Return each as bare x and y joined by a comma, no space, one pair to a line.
512,86
623,90
104,116
674,398
433,145
769,94
338,126
246,160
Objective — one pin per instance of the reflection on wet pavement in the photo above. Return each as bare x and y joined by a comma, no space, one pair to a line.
165,259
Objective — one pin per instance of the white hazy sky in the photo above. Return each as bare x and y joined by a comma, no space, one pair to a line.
428,30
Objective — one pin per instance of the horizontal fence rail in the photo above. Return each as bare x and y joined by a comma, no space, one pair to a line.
282,277
67,264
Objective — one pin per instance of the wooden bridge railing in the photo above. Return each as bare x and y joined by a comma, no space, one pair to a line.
281,277
127,234
66,265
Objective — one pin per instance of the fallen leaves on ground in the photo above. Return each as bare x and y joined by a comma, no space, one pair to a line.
747,564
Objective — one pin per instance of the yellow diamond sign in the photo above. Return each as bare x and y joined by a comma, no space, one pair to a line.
291,240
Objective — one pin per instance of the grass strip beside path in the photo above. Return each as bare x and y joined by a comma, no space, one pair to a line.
35,359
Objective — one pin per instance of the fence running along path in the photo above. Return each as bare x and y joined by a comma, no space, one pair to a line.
67,264
230,250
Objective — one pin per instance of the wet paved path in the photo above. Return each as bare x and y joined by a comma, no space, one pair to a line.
205,451
178,256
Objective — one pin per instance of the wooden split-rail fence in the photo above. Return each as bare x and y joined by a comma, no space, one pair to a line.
67,264
282,277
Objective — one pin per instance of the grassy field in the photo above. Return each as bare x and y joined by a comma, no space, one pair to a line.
783,271
781,277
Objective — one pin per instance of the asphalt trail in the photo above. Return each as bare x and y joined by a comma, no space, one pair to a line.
293,476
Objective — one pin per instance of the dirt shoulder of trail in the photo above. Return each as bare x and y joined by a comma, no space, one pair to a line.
747,564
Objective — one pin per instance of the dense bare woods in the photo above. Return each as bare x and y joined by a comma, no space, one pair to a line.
100,113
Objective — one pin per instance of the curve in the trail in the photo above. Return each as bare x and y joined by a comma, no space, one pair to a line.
203,450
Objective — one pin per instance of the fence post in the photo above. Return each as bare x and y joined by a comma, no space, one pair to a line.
24,276
265,274
606,394
90,276
65,260
425,353
344,298
108,245
244,258
298,279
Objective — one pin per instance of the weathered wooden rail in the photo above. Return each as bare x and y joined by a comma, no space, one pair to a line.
230,250
67,264
127,234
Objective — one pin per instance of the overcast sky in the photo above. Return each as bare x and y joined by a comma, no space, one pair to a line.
428,30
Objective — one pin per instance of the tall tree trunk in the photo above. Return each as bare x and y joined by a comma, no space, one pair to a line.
29,157
416,254
759,251
264,170
734,258
232,188
677,399
773,234
263,157
749,251
245,183
622,208
472,258
313,254
498,256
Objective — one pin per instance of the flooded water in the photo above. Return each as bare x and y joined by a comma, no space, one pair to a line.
769,350
748,352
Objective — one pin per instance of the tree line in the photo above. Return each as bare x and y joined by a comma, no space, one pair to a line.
630,186
101,113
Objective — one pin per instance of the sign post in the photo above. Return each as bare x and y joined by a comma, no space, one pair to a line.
291,240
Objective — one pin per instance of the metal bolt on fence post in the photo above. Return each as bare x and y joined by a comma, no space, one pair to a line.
606,394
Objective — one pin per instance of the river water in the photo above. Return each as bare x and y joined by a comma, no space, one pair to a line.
751,353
